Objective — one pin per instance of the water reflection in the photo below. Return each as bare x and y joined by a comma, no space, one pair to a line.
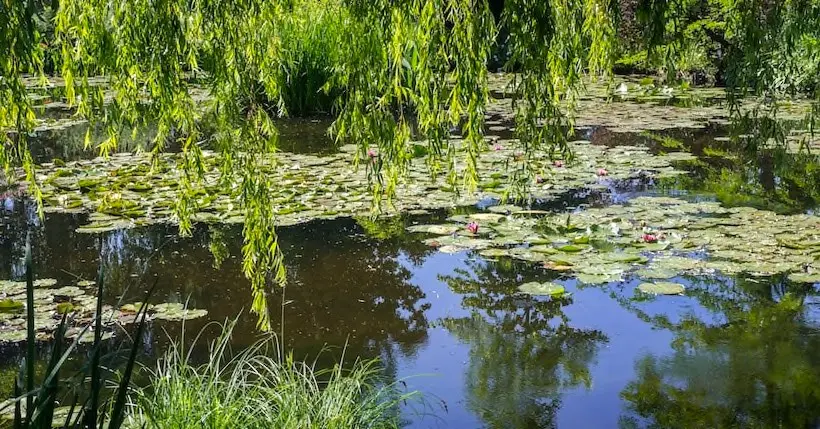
524,352
344,287
742,352
757,364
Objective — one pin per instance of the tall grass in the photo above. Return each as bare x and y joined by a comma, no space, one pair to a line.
35,400
310,36
262,388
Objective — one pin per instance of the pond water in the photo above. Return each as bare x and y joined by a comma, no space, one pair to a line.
735,350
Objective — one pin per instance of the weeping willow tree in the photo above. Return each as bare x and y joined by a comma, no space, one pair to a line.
410,69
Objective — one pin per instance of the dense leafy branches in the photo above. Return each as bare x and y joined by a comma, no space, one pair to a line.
396,69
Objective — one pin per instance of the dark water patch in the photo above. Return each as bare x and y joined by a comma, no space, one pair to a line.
305,136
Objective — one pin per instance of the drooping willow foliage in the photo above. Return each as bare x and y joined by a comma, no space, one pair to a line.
410,69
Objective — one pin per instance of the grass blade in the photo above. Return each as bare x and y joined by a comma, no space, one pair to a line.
44,403
118,410
96,382
18,390
30,349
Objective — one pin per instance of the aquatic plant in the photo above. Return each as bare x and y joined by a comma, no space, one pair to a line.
421,62
653,238
262,387
35,405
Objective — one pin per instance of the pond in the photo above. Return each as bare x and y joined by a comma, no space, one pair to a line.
678,287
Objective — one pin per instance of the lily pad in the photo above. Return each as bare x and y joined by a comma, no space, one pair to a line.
11,306
45,282
594,279
804,277
487,217
494,253
656,273
176,312
12,336
662,288
542,289
571,248
435,229
65,308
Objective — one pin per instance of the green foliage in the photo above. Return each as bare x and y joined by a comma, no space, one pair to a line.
261,388
754,46
390,67
766,367
311,35
35,401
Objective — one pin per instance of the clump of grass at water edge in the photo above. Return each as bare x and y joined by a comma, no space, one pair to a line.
261,387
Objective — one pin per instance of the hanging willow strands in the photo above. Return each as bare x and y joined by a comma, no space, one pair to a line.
409,66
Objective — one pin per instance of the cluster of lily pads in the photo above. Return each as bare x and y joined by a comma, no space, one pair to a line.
129,189
78,302
651,238
631,104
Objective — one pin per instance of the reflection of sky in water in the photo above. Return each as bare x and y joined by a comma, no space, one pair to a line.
442,360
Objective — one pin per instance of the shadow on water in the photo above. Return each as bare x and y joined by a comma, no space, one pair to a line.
733,352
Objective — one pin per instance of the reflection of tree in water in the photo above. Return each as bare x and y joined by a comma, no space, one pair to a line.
758,367
745,173
523,352
344,287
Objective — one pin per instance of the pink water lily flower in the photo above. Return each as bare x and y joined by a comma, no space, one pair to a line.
603,172
539,179
650,238
497,147
372,153
472,227
558,163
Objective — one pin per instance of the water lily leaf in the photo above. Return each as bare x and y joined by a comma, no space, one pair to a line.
564,260
505,209
68,291
487,217
572,248
45,282
549,250
662,288
656,273
677,263
12,336
623,257
594,279
652,247
12,288
804,277
135,307
435,229
176,312
542,289
65,308
449,248
494,253
10,306
527,255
